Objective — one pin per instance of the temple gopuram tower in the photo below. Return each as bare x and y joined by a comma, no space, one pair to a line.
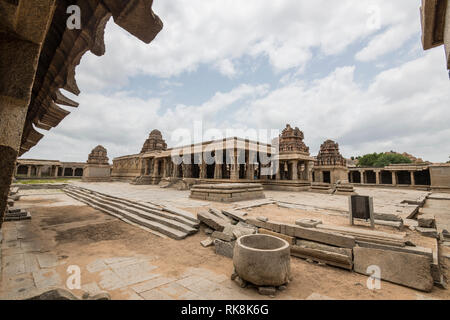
294,160
97,168
330,166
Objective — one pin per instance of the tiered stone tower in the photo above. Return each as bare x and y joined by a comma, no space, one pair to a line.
329,155
155,142
98,155
330,171
97,168
291,140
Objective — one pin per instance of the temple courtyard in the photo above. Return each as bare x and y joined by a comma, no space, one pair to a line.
130,261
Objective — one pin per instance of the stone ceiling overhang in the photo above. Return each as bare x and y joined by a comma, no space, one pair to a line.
63,49
432,15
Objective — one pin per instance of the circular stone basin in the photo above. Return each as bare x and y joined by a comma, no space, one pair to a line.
262,260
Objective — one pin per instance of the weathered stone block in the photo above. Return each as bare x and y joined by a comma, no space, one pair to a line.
308,223
411,270
224,248
427,220
212,221
222,236
427,232
334,239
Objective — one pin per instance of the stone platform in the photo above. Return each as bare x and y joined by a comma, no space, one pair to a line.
227,192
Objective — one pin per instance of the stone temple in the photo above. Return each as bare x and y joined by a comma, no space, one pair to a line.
97,168
118,223
286,164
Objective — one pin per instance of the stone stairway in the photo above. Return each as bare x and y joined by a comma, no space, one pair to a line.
171,224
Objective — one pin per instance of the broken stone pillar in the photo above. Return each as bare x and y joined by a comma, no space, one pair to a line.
23,32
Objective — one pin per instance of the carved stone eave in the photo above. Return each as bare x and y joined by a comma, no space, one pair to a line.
62,52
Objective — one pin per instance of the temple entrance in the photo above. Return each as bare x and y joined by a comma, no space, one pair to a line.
403,177
386,177
78,172
68,172
371,177
22,170
242,171
422,178
356,177
326,177
195,171
210,171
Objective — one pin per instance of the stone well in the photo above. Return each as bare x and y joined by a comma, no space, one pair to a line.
262,260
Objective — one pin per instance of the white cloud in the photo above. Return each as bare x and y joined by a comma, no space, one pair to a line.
217,33
404,109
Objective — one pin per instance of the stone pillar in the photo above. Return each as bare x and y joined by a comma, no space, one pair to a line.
394,178
73,172
15,170
361,173
28,171
164,168
39,171
413,180
294,170
250,171
377,177
55,174
203,170
218,166
278,176
234,168
155,167
19,56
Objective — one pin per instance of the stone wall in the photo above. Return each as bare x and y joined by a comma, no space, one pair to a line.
127,169
440,176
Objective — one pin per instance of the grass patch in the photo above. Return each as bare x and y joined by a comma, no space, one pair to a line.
44,181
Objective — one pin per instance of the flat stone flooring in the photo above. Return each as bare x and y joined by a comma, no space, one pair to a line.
131,263
385,200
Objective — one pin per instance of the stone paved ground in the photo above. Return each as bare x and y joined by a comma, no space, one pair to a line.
131,263
385,200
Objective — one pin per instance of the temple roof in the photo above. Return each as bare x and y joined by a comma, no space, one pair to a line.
62,52
329,155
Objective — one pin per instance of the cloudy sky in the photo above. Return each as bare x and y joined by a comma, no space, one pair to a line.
350,70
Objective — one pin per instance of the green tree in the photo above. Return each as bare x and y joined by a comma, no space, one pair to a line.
380,160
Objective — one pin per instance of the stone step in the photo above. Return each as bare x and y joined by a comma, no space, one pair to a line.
147,208
146,215
181,213
125,215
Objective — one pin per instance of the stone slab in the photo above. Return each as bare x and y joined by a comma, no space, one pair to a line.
326,237
290,240
151,284
207,242
212,221
410,270
308,223
428,232
427,252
